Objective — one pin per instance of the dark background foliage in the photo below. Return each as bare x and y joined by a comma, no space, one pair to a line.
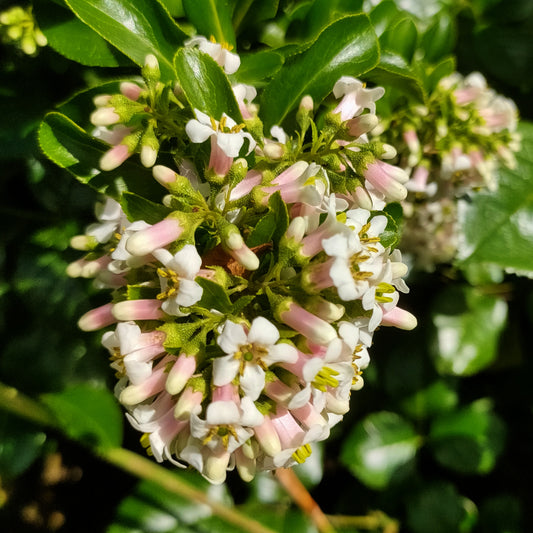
455,446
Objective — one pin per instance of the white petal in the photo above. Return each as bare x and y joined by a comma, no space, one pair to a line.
230,143
251,416
263,332
232,337
224,370
222,412
189,293
281,353
163,256
197,132
186,262
232,63
252,381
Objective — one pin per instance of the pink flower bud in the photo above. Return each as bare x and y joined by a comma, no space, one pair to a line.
399,318
114,157
145,241
130,90
138,310
315,329
97,318
387,179
180,373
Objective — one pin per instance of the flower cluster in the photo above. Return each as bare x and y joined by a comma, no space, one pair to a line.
18,26
244,307
450,147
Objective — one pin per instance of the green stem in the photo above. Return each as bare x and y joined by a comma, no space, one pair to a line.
13,401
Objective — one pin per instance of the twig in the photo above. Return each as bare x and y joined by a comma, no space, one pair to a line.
300,495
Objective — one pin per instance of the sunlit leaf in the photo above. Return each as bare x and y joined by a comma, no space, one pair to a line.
378,447
87,414
468,325
348,47
497,226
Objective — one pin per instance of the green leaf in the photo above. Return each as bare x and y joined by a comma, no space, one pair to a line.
434,74
401,38
136,27
468,325
439,39
205,85
469,440
348,47
87,414
178,334
20,445
257,66
214,296
69,147
273,225
138,208
69,36
434,399
391,234
378,447
212,18
394,71
384,16
439,508
497,226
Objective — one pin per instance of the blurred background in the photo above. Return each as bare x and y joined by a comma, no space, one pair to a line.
437,441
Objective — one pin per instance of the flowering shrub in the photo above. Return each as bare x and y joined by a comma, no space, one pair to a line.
269,179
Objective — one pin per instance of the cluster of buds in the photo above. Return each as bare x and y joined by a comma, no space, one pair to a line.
17,25
244,308
450,147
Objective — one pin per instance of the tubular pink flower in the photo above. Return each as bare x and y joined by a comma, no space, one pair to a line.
290,434
138,310
114,157
387,179
145,241
97,318
399,318
315,329
188,402
235,246
219,162
180,373
134,394
268,437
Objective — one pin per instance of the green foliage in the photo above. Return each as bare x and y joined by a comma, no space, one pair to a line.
87,414
497,225
378,447
347,47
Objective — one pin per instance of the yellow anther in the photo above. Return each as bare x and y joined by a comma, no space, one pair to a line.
324,378
145,443
302,453
222,123
213,123
237,128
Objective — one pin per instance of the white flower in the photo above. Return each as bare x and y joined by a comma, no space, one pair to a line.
229,135
178,287
219,52
111,218
249,355
356,97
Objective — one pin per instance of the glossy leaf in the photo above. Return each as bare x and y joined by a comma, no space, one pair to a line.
138,208
468,325
469,440
87,414
69,36
378,447
439,508
273,225
401,38
347,47
394,71
136,27
211,18
497,226
256,66
439,397
214,296
384,16
439,39
205,85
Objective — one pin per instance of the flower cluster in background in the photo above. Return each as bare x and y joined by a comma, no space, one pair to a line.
451,147
244,304
18,26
